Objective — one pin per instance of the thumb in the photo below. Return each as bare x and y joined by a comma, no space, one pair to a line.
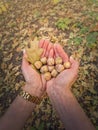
25,63
71,59
75,64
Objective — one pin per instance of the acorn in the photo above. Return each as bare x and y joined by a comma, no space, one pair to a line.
50,61
58,60
54,73
44,69
47,76
67,65
50,68
38,64
59,68
43,60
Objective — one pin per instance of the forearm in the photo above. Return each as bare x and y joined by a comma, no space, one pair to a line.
69,110
17,114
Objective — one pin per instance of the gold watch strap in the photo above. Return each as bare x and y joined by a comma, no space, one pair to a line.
28,97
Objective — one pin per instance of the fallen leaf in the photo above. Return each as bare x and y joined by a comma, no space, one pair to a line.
33,52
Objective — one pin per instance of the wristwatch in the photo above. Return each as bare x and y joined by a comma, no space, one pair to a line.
28,97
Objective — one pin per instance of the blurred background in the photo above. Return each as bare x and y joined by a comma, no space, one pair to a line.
71,23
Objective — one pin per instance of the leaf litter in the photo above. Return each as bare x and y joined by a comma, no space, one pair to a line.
21,22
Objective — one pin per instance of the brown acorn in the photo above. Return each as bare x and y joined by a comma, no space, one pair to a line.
47,76
50,61
38,64
54,73
44,69
43,60
67,65
59,68
50,68
58,60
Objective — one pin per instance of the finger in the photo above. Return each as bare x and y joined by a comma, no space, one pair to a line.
55,51
46,42
45,46
41,42
48,49
43,53
51,53
61,52
75,64
25,63
24,53
43,82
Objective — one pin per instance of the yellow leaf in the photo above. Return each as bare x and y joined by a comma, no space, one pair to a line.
3,8
34,52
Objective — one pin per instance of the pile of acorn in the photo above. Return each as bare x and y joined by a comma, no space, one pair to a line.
51,67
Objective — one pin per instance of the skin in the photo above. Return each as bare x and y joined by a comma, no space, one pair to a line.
32,76
20,110
58,90
60,94
70,74
60,52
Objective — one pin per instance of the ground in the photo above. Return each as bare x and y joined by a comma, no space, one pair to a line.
71,23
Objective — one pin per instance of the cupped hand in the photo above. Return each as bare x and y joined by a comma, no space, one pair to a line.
35,83
67,77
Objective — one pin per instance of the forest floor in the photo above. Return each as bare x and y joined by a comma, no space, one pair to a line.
71,23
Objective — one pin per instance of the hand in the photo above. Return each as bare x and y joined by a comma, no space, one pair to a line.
35,83
66,78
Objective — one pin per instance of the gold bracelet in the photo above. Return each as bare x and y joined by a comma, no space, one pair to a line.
28,97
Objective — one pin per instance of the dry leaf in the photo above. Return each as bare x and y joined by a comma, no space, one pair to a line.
34,52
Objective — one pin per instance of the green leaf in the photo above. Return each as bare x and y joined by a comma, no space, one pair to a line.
63,23
92,38
32,128
3,8
96,127
79,25
77,40
36,14
84,30
41,126
56,1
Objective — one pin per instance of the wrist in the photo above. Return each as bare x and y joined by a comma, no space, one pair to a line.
32,90
57,88
27,96
24,101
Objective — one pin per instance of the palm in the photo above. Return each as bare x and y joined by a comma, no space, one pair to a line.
63,79
32,76
68,75
34,81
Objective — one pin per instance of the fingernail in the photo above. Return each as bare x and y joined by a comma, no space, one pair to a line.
24,51
71,58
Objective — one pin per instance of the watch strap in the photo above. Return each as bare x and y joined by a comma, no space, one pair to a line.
28,97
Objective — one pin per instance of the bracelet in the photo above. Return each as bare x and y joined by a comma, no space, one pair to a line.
28,97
